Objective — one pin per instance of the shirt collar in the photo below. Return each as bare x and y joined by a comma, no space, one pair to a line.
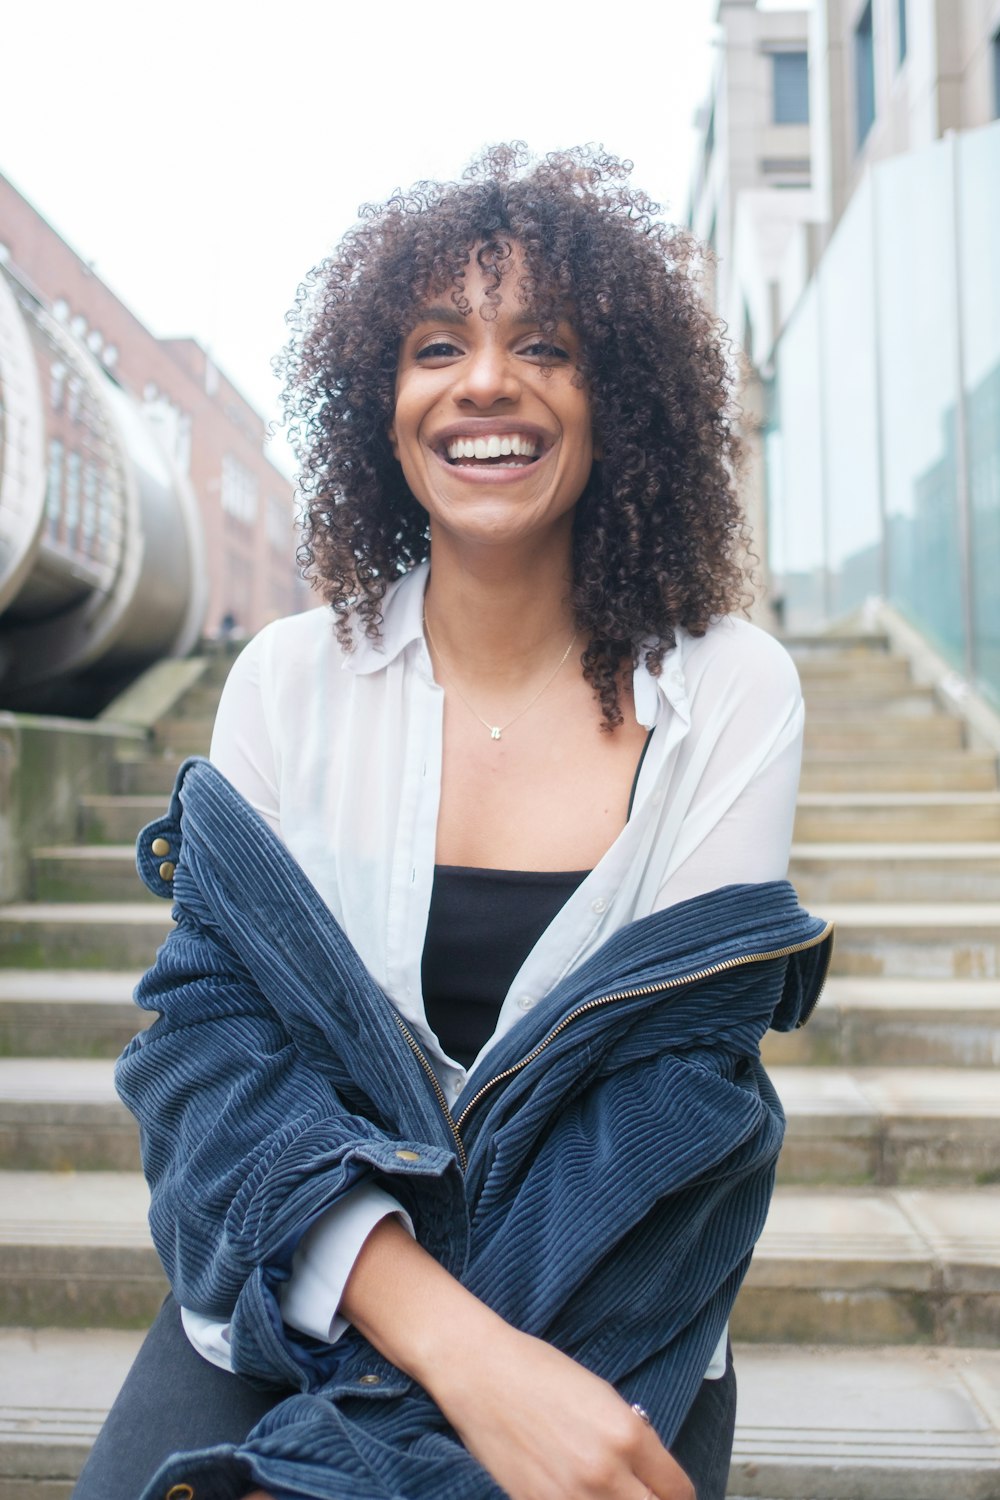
402,623
649,692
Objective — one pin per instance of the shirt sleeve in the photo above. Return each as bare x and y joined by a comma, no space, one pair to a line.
243,750
321,1265
744,751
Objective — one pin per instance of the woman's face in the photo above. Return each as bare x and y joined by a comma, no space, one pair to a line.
492,425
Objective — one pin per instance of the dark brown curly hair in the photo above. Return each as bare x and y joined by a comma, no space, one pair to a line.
659,538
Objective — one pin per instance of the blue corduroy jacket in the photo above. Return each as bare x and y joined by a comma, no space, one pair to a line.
601,1181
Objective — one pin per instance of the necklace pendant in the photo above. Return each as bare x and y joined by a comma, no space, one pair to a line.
495,732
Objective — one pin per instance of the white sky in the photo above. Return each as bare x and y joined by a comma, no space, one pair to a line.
205,155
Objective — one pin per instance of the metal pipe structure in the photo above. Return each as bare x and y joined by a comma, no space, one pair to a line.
102,557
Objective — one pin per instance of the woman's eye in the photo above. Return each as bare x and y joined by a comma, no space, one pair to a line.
440,349
541,349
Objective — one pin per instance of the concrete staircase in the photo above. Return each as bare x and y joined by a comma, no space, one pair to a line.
869,1325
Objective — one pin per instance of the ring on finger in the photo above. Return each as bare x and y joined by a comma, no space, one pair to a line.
643,1416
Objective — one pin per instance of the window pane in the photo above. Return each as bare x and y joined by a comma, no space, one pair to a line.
864,74
919,363
791,88
979,242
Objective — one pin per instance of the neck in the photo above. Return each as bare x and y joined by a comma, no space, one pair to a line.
499,618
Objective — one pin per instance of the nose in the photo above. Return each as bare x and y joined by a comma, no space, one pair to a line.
489,377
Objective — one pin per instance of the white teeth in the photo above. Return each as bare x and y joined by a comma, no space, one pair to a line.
497,445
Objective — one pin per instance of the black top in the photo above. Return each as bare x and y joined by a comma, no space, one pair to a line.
481,927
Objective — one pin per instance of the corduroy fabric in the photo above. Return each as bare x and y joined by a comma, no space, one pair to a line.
616,1180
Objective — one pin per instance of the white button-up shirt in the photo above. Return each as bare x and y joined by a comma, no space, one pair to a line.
341,754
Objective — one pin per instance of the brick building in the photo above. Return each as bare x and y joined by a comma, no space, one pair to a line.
213,434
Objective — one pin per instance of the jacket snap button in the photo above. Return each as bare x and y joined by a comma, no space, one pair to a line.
179,1492
160,847
166,870
408,1155
364,1380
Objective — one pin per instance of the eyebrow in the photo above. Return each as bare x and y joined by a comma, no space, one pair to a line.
445,312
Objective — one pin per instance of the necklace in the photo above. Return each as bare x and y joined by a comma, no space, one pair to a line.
496,730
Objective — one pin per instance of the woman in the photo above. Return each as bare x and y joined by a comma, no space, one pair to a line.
532,726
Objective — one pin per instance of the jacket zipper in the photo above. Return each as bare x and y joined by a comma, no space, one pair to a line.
634,994
421,1057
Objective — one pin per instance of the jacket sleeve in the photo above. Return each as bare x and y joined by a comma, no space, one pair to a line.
246,1140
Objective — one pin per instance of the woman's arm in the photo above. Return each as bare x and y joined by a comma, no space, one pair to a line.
543,1426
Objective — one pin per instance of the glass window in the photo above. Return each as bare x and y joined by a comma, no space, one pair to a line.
979,253
791,88
918,357
864,75
72,499
996,76
53,488
850,405
796,523
901,28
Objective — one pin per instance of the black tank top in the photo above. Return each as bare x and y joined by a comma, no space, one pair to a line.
481,927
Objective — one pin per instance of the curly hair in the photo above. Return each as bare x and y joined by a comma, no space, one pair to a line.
658,537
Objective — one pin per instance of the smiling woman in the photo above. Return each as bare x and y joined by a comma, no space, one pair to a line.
458,1142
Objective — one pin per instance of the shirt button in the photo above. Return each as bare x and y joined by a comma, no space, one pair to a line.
408,1155
599,905
160,847
525,1002
370,1380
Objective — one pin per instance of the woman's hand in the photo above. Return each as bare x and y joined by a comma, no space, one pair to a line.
547,1429
542,1425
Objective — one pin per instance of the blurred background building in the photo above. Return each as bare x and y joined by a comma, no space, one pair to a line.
849,181
138,507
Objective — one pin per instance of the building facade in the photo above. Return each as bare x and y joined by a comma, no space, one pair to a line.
868,306
210,434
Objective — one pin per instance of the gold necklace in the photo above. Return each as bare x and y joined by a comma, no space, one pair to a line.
496,730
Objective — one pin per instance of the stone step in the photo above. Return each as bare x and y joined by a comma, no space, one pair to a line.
837,1265
882,1126
87,872
931,940
824,696
82,935
824,1422
856,645
898,817
152,774
951,1023
889,1126
68,1012
183,736
895,872
56,1386
62,1114
876,1265
867,1424
933,770
118,819
75,1251
854,668
858,733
